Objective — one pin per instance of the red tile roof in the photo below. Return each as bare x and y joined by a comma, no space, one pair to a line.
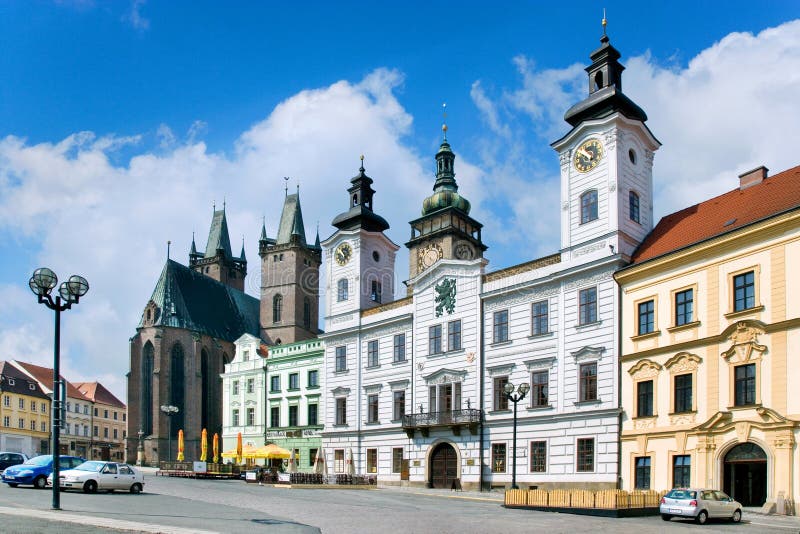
44,375
97,392
722,214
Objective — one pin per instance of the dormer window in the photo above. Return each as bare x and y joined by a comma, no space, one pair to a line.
31,387
11,382
355,200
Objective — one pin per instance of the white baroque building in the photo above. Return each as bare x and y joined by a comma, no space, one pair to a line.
414,388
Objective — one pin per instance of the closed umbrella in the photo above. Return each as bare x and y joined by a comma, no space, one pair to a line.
319,462
292,463
204,445
239,448
180,445
351,466
216,447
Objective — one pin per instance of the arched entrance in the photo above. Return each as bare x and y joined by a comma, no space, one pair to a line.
444,466
745,474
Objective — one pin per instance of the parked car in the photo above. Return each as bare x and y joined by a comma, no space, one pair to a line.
95,475
35,471
7,459
700,505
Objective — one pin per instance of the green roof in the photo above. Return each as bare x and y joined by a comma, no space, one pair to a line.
190,300
291,222
218,237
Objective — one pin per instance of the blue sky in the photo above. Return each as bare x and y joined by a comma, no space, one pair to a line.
122,122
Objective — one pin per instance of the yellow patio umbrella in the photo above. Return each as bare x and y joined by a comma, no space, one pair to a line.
203,445
272,451
180,445
216,448
239,448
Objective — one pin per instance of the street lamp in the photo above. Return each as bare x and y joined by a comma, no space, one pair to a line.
169,410
522,390
70,292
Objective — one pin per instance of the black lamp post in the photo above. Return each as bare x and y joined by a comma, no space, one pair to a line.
169,410
522,390
42,283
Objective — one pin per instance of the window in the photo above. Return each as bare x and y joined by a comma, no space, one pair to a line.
115,416
338,460
435,339
745,384
444,397
306,313
274,383
6,400
500,326
235,387
588,305
744,291
293,415
245,355
313,417
397,459
375,291
633,206
85,409
294,381
372,353
341,358
588,382
235,417
683,393
681,471
684,307
21,401
398,405
96,412
96,431
539,318
585,457
372,408
588,206
115,433
277,308
341,290
250,385
646,314
105,414
454,335
275,416
43,428
539,384
251,416
33,405
644,398
313,378
312,456
500,398
341,411
538,456
6,420
498,457
372,460
642,477
400,348
33,426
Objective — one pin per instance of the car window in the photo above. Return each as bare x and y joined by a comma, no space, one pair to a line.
682,494
125,470
721,496
5,457
65,463
76,462
110,468
709,496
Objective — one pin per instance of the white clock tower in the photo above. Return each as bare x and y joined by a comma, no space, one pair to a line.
606,166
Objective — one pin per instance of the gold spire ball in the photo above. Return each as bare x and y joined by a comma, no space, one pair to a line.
444,121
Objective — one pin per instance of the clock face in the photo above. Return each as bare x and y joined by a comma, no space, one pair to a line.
588,155
428,256
464,251
343,253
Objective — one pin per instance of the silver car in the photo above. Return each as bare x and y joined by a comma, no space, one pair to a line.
700,505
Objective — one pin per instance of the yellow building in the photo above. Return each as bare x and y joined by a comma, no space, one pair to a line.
24,413
710,338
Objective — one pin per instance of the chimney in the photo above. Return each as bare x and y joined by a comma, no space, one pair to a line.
754,177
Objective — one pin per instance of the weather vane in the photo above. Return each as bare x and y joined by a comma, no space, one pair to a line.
362,163
604,22
444,121
286,185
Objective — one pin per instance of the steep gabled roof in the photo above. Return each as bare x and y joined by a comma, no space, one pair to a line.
291,222
218,236
22,382
44,376
190,300
97,392
722,214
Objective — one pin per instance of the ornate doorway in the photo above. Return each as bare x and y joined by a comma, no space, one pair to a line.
444,466
745,474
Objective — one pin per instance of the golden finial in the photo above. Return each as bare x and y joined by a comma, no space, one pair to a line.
362,163
604,22
444,121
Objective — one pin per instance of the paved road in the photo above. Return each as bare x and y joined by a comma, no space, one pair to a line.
181,506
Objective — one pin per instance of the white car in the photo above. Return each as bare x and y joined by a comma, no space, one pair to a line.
94,475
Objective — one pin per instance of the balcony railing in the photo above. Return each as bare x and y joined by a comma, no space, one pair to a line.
455,419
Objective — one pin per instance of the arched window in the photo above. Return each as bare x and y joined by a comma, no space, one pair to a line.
277,308
146,384
588,206
176,385
633,206
598,81
307,313
341,290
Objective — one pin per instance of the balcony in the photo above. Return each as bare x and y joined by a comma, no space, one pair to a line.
455,420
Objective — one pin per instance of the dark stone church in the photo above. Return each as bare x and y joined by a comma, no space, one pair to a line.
196,312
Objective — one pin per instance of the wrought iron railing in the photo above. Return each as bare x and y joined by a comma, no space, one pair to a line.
453,417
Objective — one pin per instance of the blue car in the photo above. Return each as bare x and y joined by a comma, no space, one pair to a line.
35,471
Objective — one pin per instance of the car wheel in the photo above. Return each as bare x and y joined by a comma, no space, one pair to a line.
13,485
90,486
666,517
737,516
136,488
40,483
702,517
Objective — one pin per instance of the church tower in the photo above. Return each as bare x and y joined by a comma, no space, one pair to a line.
606,165
218,262
289,279
445,229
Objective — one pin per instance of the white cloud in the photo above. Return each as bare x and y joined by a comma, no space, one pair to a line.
135,17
